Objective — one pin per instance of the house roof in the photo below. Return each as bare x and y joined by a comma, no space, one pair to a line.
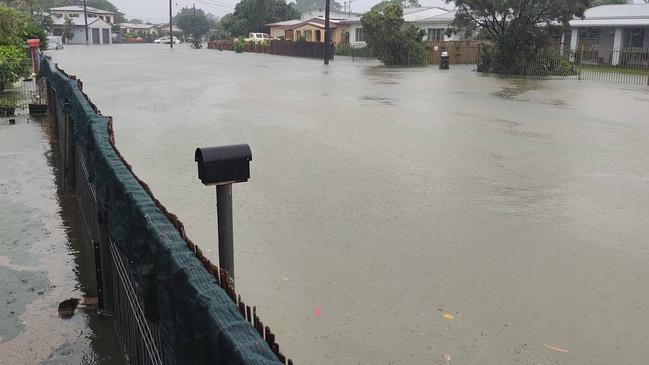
317,22
446,17
80,8
614,15
285,24
137,26
418,14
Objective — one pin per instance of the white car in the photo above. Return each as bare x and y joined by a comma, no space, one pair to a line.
54,42
258,37
166,40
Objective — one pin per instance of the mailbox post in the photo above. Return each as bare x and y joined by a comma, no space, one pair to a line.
222,166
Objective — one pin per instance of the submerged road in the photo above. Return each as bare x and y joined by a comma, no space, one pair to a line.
403,215
45,259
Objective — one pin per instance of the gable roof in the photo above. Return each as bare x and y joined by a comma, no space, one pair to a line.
80,8
614,15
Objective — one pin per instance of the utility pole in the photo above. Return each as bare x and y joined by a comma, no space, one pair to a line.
171,33
85,17
327,35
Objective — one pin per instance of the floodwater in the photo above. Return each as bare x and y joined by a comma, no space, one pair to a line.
427,216
44,259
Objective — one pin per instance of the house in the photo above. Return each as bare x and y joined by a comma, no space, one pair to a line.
75,11
333,14
612,31
163,29
278,29
99,31
140,29
348,28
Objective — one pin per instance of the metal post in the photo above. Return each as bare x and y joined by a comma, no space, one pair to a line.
327,35
85,17
224,216
171,33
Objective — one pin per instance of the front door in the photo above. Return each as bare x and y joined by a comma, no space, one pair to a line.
95,35
106,35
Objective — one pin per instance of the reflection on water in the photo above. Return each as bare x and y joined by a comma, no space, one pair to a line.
44,259
427,215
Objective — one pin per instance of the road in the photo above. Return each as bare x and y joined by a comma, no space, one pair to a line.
403,215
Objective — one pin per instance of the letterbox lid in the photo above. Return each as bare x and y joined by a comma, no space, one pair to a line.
223,153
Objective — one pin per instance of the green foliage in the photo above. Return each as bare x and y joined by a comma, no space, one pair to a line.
543,61
212,36
300,39
193,22
67,29
196,43
239,45
518,28
253,15
304,6
406,3
347,50
14,65
390,41
16,28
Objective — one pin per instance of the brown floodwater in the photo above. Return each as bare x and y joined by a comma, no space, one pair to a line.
432,217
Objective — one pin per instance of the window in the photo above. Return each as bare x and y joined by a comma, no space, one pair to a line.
634,37
589,37
360,36
436,34
74,15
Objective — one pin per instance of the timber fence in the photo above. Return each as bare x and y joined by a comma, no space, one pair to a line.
278,47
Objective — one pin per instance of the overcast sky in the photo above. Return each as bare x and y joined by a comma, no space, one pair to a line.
158,10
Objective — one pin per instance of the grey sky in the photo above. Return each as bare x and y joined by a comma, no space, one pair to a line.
158,10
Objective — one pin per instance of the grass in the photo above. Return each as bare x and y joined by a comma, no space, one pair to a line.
614,69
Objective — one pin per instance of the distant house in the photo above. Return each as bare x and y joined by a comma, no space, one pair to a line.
140,29
612,30
333,14
75,11
99,31
163,29
346,29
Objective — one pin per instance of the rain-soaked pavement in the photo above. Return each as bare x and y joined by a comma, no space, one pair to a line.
428,217
44,259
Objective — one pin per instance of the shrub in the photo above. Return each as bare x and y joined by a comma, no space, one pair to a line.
348,50
300,39
14,65
390,41
539,62
239,45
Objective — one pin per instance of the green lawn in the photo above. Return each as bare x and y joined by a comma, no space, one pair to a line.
612,69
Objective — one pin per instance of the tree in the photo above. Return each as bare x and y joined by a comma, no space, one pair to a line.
518,28
406,4
253,15
14,65
304,6
67,30
393,43
608,2
16,28
135,21
193,22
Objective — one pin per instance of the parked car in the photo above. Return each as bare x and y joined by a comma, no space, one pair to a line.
166,40
258,37
54,42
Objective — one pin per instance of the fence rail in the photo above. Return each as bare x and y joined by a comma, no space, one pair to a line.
459,52
170,303
629,66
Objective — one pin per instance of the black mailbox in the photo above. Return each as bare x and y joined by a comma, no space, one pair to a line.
223,165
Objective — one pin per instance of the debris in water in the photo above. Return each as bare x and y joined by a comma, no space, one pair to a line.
67,307
558,349
448,316
316,312
284,279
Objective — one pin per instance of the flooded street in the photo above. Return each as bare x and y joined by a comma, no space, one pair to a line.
45,258
428,217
